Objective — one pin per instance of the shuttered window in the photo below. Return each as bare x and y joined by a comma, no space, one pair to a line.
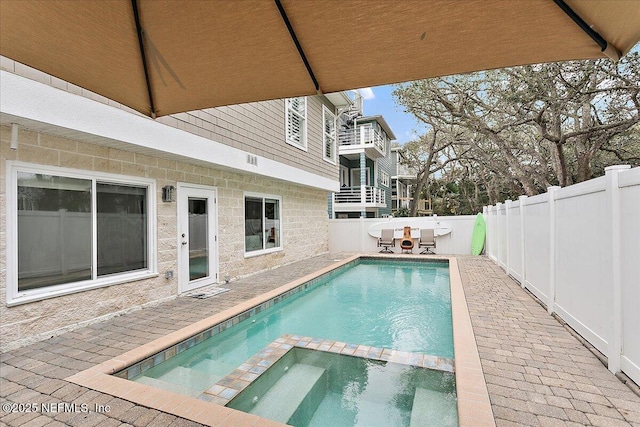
329,135
296,121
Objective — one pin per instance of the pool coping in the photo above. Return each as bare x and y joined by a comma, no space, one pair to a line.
474,407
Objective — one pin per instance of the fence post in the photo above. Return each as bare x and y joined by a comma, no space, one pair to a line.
487,228
552,248
615,342
507,215
498,233
523,259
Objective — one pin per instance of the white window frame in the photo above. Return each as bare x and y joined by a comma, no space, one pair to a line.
15,297
384,178
264,228
288,110
326,138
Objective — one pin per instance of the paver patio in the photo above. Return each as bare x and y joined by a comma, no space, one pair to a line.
537,373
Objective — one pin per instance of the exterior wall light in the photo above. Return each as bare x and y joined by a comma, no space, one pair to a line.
168,193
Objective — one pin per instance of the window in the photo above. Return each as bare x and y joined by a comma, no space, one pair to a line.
329,135
71,230
296,122
262,225
384,178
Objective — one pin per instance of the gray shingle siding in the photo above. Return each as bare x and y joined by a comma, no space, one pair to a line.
259,128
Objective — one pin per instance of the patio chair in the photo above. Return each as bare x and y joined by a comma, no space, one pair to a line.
386,240
427,241
407,241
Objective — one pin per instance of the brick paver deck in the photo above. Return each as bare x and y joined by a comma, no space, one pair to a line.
537,373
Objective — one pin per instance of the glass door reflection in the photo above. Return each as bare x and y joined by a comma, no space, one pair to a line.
198,239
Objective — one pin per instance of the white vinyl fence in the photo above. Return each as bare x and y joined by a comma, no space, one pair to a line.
578,250
351,235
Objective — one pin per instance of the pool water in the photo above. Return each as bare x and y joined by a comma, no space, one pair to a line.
345,391
396,305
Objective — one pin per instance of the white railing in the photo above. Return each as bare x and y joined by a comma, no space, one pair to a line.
362,194
578,250
404,170
362,135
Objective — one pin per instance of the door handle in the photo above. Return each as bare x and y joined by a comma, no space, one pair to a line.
184,242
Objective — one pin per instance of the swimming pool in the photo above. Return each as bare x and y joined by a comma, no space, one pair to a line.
473,404
396,305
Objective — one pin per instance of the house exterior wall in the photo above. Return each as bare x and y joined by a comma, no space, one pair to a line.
376,168
305,228
258,128
71,131
384,165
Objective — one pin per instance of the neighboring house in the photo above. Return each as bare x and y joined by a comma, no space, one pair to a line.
402,180
365,166
105,210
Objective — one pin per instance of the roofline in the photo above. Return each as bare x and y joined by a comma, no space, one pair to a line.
339,99
382,123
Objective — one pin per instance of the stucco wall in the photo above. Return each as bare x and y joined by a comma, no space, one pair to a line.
305,228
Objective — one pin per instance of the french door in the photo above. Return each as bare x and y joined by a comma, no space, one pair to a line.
197,236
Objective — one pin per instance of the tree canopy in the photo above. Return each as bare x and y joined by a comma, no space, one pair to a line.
501,133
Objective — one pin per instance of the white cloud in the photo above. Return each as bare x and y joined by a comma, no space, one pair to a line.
367,93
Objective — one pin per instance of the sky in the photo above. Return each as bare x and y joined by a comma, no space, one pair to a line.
378,101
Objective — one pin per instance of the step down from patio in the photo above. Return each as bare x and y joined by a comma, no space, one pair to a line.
190,378
287,394
164,385
433,408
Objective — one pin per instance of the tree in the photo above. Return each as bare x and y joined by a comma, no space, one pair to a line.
427,156
530,127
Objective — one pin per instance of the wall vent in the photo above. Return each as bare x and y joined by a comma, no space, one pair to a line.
252,160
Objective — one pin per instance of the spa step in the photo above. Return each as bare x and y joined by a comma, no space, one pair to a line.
282,400
164,385
190,378
433,408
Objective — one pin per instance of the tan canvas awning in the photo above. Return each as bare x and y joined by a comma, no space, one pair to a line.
203,54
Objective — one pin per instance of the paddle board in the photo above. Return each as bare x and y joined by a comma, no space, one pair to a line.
478,235
440,228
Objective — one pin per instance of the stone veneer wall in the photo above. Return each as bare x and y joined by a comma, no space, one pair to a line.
305,227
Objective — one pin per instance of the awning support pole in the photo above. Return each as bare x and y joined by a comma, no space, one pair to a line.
607,48
285,18
134,5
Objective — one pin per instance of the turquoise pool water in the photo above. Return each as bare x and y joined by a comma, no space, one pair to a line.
344,391
389,304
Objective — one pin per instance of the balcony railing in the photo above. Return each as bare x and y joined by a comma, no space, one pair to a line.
404,171
363,194
363,136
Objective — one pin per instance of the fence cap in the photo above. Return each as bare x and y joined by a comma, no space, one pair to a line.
616,168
